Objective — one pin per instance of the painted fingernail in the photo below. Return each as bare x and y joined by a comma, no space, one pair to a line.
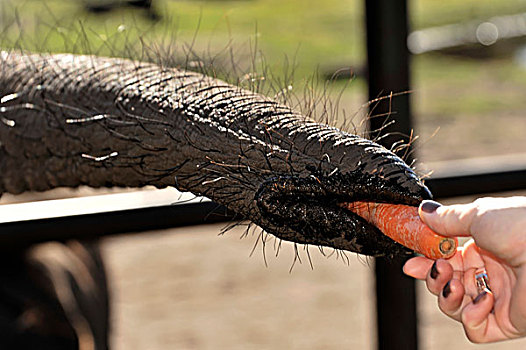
429,206
434,271
480,297
447,290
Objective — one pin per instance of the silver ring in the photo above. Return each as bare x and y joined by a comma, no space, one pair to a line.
482,280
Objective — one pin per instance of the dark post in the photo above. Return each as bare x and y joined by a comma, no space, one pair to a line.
388,72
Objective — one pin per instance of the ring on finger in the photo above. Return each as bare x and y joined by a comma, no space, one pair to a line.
482,280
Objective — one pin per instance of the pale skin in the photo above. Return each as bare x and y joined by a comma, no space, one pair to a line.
497,227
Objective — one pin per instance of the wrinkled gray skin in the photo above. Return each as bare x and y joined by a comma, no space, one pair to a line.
84,120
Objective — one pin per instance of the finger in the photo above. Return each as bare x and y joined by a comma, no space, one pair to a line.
417,267
452,299
439,274
452,220
518,304
473,262
464,263
475,317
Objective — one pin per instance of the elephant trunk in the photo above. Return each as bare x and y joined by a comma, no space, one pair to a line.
69,120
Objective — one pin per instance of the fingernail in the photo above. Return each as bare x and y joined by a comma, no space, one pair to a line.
434,271
479,297
447,289
429,206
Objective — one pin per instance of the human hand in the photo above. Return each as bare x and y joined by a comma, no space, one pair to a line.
498,229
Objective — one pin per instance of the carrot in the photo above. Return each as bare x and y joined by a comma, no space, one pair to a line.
402,224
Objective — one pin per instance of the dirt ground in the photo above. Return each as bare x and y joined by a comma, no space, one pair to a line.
466,136
189,288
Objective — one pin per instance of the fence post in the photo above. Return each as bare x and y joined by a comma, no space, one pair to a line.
388,71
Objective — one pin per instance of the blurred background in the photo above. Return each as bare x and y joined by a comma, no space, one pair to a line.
187,288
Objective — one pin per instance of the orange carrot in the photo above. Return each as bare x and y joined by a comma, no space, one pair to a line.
402,224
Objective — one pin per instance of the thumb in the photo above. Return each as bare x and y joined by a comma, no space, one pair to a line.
448,220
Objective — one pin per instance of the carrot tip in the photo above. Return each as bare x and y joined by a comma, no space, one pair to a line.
448,246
